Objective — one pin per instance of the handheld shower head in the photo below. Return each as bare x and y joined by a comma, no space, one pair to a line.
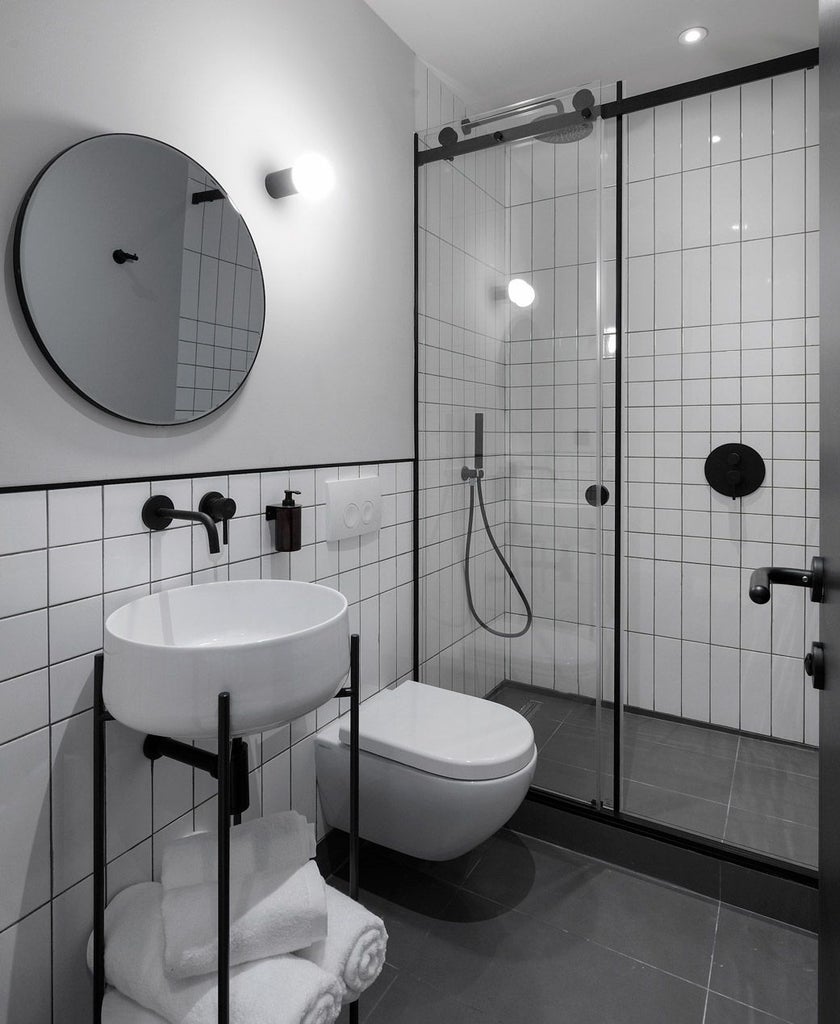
479,440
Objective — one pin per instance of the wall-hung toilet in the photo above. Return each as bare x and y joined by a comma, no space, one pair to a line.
439,771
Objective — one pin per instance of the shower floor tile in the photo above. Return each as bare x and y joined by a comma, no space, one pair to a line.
757,794
528,932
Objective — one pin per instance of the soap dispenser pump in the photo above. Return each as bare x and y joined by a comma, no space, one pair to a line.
287,523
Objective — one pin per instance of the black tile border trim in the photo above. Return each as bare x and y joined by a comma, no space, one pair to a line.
107,481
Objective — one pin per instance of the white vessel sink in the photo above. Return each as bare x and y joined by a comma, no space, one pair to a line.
278,647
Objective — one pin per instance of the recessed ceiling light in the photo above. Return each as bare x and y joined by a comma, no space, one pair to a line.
693,35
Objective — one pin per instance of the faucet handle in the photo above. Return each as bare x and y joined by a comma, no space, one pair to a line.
219,508
155,511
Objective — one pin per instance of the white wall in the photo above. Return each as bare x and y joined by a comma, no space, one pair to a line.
243,88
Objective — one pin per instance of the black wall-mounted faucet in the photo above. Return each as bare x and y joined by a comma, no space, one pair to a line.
159,511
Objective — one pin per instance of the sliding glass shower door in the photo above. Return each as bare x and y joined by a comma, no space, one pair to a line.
516,270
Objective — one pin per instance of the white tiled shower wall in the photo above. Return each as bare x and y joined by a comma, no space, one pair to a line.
462,261
722,320
68,557
533,211
560,403
722,345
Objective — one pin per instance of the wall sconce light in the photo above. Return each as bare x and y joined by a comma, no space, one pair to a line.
521,293
312,176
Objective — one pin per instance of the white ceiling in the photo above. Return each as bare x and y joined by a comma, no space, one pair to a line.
496,52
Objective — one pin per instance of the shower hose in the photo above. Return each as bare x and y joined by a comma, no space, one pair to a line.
502,559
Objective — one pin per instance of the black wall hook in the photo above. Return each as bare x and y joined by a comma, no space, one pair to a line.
121,256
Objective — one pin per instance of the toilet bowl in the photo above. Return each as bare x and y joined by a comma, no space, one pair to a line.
439,772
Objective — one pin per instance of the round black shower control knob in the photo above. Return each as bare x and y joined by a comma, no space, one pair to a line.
734,470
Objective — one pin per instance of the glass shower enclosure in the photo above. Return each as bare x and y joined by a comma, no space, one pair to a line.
704,725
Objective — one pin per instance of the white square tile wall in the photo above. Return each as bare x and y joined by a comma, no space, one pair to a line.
559,408
70,556
722,345
722,320
531,212
462,371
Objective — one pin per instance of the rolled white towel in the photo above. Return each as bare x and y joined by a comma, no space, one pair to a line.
278,842
270,914
355,946
119,1009
271,991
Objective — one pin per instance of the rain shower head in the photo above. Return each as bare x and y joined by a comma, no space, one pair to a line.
568,133
583,101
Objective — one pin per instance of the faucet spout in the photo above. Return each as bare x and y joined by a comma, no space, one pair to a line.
204,520
158,513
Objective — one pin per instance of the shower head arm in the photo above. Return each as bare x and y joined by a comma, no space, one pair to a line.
469,124
519,133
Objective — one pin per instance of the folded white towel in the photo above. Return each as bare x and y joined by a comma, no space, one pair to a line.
278,842
354,949
270,913
117,1009
273,991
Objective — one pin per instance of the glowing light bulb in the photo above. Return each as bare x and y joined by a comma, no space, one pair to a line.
521,293
693,35
313,176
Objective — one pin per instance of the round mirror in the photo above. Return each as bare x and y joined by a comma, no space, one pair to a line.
139,279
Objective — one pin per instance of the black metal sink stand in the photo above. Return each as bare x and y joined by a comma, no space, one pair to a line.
230,768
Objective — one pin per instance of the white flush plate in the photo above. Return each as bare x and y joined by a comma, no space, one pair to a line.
354,507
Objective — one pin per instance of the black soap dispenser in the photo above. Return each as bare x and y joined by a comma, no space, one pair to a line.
287,520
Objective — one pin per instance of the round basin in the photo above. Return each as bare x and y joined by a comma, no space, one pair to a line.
280,648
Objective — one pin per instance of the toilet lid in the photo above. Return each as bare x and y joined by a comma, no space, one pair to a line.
444,733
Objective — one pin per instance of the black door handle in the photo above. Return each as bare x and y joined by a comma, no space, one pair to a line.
815,665
812,578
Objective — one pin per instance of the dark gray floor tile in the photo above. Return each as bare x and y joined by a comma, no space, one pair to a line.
661,925
773,836
524,873
578,783
405,899
586,716
515,968
713,742
721,1010
776,794
682,771
781,756
679,810
577,747
544,729
452,872
411,1001
372,997
767,965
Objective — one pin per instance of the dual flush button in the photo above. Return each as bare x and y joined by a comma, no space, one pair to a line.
354,507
